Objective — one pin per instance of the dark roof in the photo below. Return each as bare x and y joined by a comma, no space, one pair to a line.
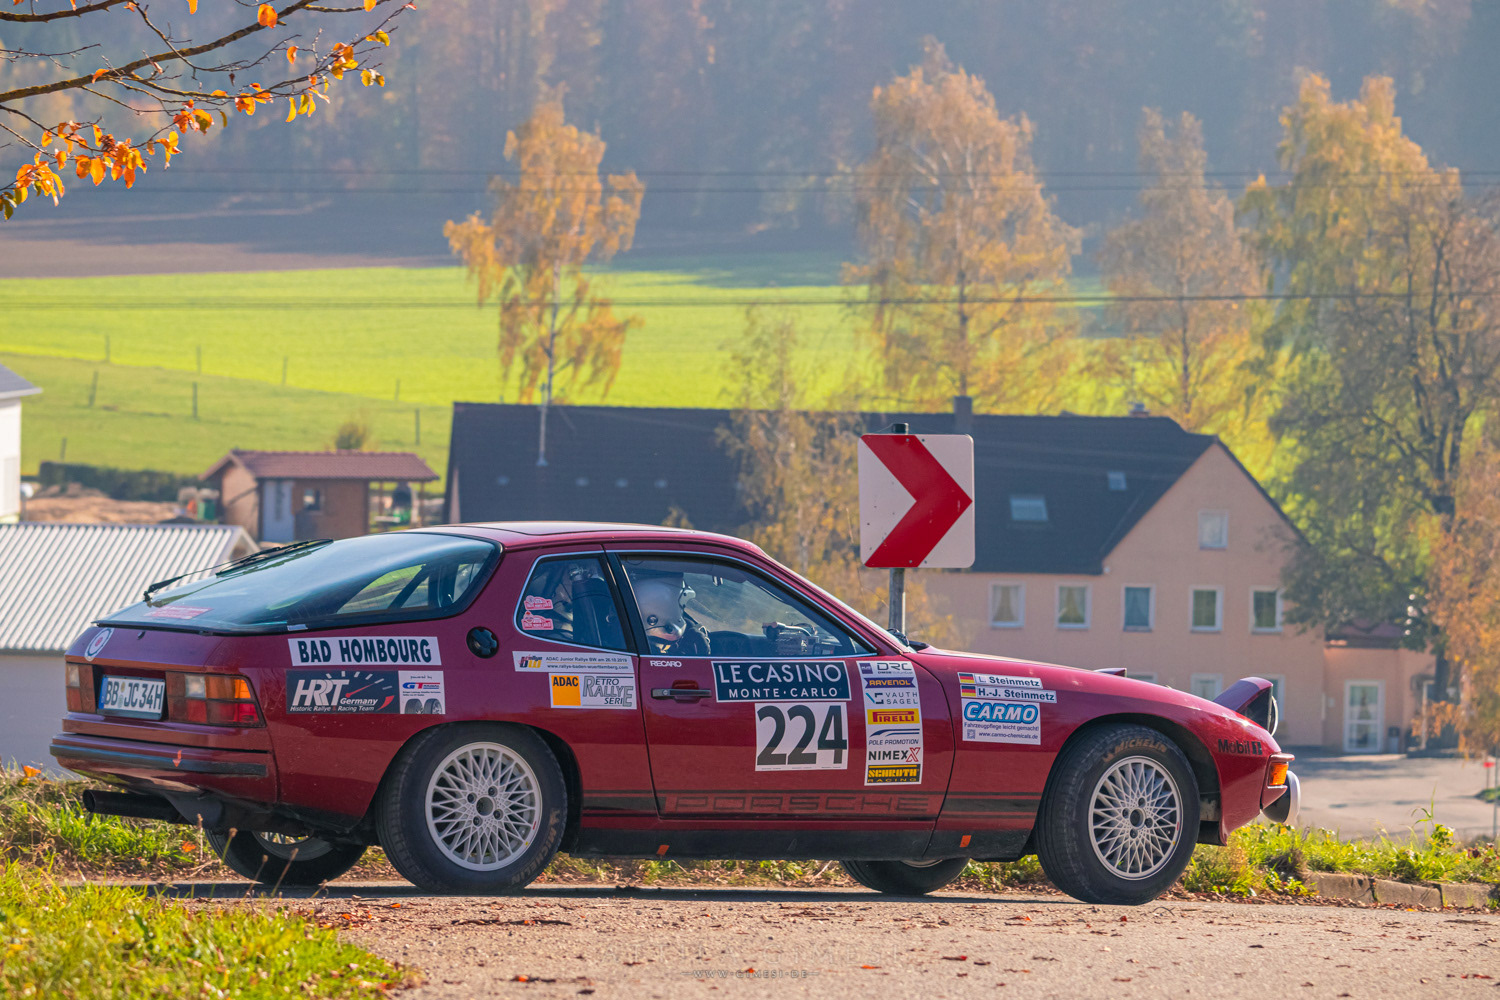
638,464
13,385
385,466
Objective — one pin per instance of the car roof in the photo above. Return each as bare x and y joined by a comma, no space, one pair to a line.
528,534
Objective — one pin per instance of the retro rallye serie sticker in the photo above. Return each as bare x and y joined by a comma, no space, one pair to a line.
367,650
592,691
893,722
365,692
780,680
580,662
1000,709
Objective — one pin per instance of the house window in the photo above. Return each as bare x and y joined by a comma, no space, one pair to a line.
1007,605
312,499
1025,508
1207,609
1116,481
1278,690
1265,611
1213,529
1206,685
1148,677
1138,609
1073,606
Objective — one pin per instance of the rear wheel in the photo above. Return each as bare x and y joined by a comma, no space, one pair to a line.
275,859
1119,818
474,809
905,878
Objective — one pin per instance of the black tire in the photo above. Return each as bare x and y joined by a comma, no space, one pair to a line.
905,878
523,813
272,860
1126,853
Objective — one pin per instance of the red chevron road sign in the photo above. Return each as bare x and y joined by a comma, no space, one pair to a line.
916,500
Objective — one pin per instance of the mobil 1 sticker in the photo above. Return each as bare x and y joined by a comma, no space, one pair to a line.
801,736
365,692
369,650
989,721
780,680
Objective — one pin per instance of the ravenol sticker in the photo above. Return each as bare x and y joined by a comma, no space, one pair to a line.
780,680
893,755
987,721
580,662
365,692
369,650
1005,688
97,643
592,691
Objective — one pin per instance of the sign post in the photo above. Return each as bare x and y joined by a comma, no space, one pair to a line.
916,506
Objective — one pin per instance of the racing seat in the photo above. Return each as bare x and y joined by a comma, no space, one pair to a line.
593,609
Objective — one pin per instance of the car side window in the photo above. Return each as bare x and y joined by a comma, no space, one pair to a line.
704,607
568,599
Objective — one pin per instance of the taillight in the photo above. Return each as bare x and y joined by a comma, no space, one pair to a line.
211,699
75,688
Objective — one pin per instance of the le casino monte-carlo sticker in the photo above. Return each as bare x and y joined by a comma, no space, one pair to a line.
893,722
998,709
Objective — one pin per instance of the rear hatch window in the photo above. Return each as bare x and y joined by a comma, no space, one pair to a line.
401,576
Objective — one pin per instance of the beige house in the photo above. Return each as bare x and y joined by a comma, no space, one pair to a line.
12,388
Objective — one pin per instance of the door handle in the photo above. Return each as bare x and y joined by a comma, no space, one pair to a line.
681,694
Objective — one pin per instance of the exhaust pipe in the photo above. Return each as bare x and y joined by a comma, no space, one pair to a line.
132,805
1285,809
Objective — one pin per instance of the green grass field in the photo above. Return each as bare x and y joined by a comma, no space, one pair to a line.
374,341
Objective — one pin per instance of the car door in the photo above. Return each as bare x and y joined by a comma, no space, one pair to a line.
760,703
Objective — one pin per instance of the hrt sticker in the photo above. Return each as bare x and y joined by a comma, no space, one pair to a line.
365,692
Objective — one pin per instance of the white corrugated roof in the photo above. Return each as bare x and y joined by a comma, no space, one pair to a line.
57,578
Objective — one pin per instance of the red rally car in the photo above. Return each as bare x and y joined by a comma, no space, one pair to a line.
476,698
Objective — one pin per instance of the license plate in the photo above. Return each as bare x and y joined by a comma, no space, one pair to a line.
136,697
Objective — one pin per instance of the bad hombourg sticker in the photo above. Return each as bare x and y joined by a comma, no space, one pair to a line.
365,692
999,709
367,650
592,691
580,662
893,722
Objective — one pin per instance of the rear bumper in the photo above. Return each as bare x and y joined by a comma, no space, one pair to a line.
247,774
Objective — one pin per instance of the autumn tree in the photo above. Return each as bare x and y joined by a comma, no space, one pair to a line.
132,77
1183,285
556,333
956,234
1392,340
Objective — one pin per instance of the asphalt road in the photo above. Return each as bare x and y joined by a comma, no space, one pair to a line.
672,943
1378,793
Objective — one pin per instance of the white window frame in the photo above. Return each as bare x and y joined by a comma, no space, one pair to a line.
1147,676
1020,621
1027,499
1218,625
1218,680
1150,625
1202,514
1256,628
1088,607
1278,691
1380,725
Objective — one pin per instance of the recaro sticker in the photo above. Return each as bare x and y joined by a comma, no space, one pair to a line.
367,650
780,680
365,692
579,662
801,736
893,722
592,691
999,709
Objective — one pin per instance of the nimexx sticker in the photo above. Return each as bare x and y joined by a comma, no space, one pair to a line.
1005,688
365,692
780,680
893,722
367,650
592,691
572,662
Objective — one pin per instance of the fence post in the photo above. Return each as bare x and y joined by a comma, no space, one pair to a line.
94,389
195,400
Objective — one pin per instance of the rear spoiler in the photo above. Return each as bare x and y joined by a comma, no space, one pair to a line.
1252,698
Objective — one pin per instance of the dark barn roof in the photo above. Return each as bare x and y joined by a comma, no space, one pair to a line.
637,464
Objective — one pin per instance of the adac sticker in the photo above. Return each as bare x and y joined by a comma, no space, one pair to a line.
367,650
97,643
780,680
592,691
571,662
365,692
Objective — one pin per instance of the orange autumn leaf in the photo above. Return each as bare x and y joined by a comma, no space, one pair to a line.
192,6
291,54
188,847
96,170
369,4
266,16
98,73
31,772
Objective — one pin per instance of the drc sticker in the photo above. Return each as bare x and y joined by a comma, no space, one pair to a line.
97,643
780,680
801,736
592,691
1004,688
365,692
379,651
181,611
893,722
581,662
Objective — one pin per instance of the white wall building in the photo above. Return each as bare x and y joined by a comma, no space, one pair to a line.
12,388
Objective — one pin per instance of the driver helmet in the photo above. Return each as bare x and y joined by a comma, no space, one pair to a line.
661,601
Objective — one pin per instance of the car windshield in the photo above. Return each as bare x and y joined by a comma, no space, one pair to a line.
398,576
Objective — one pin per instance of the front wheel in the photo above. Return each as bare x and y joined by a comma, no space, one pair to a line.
473,809
905,878
1119,818
274,859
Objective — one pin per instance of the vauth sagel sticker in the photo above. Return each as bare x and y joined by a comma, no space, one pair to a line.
893,722
998,709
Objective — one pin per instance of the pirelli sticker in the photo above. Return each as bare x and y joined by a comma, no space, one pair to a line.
999,709
592,691
893,722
